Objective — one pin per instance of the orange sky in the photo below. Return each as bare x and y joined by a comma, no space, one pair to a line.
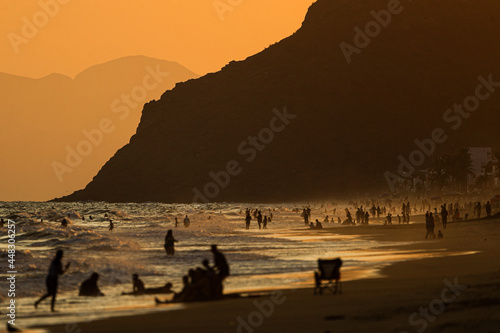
83,33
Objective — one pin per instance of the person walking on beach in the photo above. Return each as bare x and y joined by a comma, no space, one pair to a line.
259,219
169,243
478,210
55,269
429,225
488,209
264,223
177,222
444,216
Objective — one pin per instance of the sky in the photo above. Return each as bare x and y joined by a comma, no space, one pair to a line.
41,37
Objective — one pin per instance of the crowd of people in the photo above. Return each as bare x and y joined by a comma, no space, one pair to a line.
262,221
200,284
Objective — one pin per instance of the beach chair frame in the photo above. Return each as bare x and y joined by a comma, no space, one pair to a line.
328,271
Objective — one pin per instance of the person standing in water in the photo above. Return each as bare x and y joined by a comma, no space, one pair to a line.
248,218
176,222
187,222
111,225
265,222
169,243
259,219
55,269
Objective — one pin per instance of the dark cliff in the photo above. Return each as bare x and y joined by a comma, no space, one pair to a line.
352,120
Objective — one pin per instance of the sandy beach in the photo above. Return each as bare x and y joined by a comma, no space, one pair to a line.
452,293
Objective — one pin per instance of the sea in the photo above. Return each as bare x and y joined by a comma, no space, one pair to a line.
283,256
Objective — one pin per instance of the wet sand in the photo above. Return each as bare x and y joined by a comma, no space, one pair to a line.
398,301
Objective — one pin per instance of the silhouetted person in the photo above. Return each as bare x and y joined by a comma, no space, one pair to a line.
248,218
306,217
478,210
51,281
440,234
326,219
444,216
64,223
177,222
137,285
169,243
367,217
488,209
259,219
429,225
318,224
111,225
220,263
90,218
89,287
187,222
264,223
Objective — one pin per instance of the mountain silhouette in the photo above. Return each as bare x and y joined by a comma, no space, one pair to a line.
350,115
52,114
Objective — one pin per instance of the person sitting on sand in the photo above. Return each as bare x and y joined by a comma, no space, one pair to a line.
169,243
318,225
178,297
137,285
311,226
326,219
89,287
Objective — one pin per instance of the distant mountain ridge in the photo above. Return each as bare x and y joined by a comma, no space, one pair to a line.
42,117
352,123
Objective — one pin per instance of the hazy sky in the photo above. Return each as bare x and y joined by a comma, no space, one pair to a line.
202,35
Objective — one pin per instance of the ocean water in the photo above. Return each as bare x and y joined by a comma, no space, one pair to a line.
282,256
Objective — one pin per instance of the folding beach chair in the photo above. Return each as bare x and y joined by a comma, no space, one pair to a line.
328,271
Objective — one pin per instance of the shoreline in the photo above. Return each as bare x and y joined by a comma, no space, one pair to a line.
394,292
